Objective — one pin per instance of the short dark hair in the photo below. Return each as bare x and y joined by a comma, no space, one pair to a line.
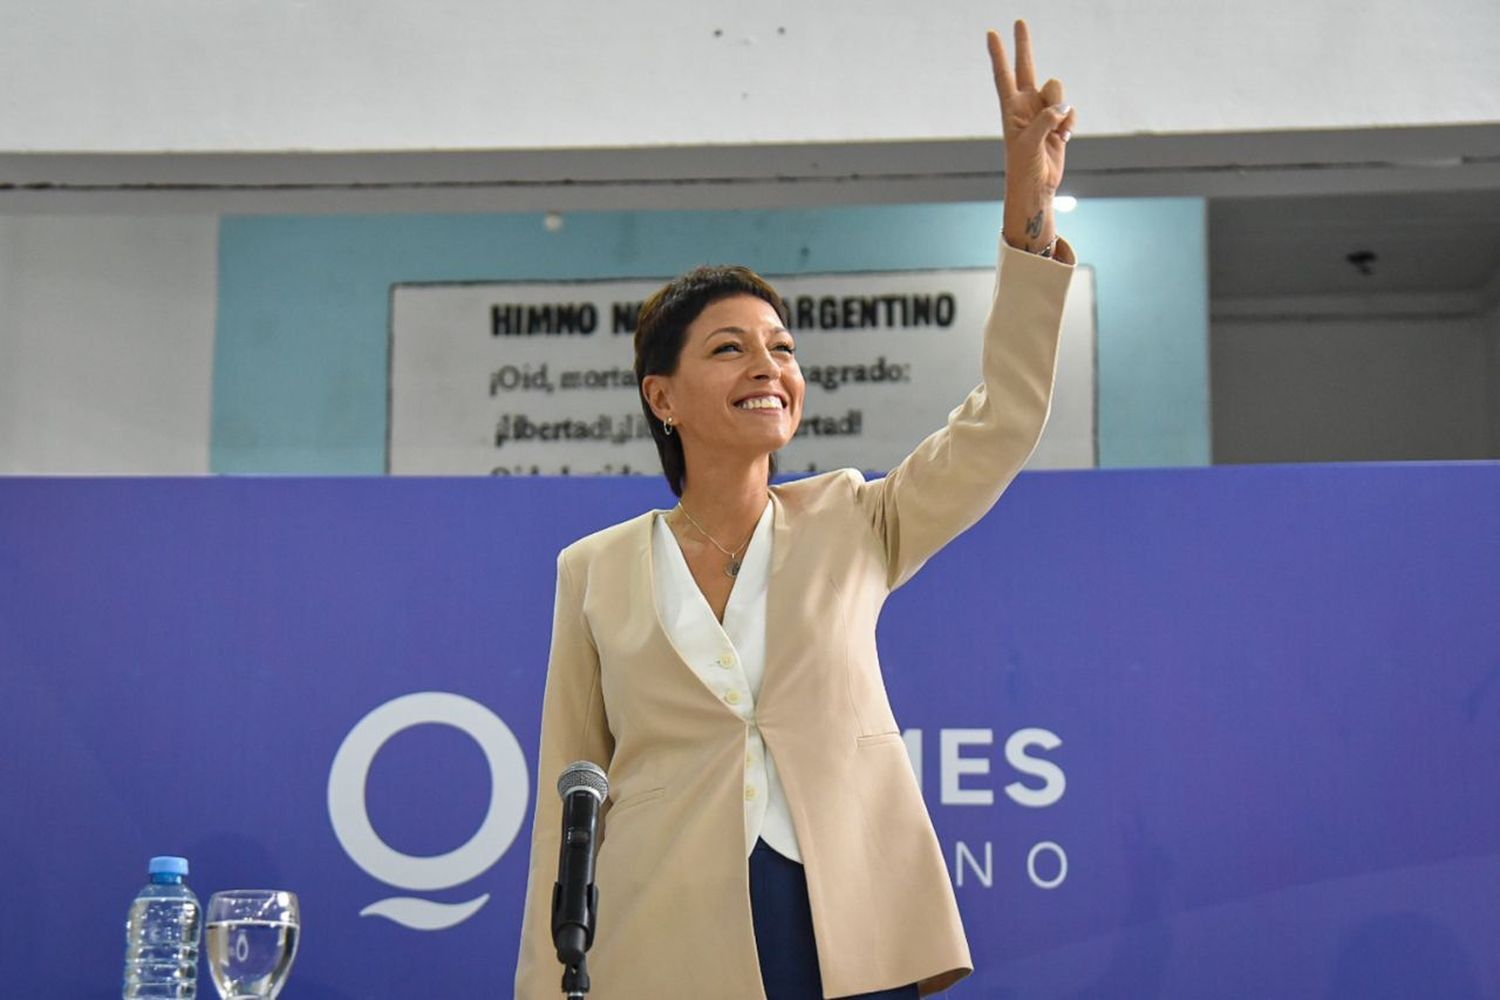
661,332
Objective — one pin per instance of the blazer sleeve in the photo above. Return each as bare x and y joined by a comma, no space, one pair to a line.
958,472
574,728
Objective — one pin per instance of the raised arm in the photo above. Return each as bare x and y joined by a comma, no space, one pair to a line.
956,474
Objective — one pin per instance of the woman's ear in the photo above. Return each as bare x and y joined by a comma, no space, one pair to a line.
654,388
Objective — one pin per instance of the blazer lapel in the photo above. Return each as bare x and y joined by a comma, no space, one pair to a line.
645,583
778,598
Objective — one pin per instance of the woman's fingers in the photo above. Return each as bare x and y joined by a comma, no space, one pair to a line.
1005,84
1066,127
1021,114
1053,120
1065,130
1025,64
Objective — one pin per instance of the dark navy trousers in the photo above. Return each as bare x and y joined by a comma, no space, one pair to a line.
784,931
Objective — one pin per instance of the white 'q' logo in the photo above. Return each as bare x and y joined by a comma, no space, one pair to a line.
509,791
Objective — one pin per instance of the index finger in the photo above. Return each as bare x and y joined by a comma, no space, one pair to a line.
1005,84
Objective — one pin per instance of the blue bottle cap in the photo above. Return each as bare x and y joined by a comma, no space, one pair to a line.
167,864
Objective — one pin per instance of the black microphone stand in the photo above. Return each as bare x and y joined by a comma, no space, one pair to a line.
573,943
575,981
575,897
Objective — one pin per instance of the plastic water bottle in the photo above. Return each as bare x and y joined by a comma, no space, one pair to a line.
161,937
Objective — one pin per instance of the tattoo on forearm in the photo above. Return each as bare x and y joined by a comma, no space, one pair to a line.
1034,225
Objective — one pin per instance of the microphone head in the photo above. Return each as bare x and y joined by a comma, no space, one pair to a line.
583,775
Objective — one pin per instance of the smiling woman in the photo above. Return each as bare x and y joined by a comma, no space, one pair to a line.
724,651
715,337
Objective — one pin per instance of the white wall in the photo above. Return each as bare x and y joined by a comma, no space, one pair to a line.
1369,389
276,75
106,344
106,322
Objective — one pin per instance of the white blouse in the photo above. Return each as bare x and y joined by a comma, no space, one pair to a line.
730,659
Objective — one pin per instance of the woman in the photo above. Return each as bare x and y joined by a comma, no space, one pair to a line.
765,834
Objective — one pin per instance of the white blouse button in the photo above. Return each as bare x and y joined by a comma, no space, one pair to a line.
725,660
732,697
749,792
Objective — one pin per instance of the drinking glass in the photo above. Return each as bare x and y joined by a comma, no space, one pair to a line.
252,940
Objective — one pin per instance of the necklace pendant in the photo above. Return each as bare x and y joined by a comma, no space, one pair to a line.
733,569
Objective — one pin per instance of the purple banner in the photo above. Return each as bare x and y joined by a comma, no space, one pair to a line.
1228,732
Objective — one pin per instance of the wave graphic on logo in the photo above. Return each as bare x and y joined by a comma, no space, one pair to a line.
424,914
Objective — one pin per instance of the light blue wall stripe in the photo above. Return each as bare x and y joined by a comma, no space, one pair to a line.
1151,266
300,377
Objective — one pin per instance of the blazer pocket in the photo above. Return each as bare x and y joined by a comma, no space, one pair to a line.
878,738
639,798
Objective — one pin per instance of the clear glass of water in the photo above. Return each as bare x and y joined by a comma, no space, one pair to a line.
251,936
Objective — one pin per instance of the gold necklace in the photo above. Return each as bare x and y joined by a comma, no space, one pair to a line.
733,569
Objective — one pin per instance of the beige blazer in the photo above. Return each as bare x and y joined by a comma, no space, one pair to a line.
674,906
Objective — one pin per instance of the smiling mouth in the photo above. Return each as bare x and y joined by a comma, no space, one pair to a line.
761,403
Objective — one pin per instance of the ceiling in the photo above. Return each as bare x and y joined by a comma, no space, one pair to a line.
1418,243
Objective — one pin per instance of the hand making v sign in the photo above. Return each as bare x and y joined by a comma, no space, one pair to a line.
1037,127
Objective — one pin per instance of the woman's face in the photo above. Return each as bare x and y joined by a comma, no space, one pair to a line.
738,387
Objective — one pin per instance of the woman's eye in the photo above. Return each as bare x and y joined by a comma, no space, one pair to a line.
788,348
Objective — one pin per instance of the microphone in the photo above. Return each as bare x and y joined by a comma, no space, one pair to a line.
575,899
